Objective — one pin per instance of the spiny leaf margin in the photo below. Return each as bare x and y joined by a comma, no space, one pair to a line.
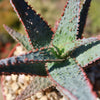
38,31
69,19
71,77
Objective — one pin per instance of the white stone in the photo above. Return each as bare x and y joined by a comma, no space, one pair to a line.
9,97
39,95
44,98
14,87
8,78
14,77
98,99
21,78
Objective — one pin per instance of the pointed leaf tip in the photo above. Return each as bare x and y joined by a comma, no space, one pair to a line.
68,26
22,39
39,32
36,63
83,17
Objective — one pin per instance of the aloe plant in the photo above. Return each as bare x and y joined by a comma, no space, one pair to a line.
55,58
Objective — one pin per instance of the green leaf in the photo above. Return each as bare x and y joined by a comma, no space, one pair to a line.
37,84
87,53
71,80
19,38
38,31
29,63
68,26
70,47
28,69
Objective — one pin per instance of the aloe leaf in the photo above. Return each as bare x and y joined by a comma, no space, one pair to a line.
71,79
68,26
70,47
86,54
19,38
36,63
83,16
27,69
38,84
38,31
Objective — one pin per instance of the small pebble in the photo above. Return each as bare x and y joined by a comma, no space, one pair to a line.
39,95
21,78
9,97
8,78
52,95
44,98
62,98
14,77
15,84
14,87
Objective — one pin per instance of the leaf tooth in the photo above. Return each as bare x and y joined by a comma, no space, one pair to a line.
86,59
26,59
78,21
92,63
52,39
55,26
22,21
57,22
6,66
83,14
89,83
42,48
64,8
31,51
29,40
70,26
